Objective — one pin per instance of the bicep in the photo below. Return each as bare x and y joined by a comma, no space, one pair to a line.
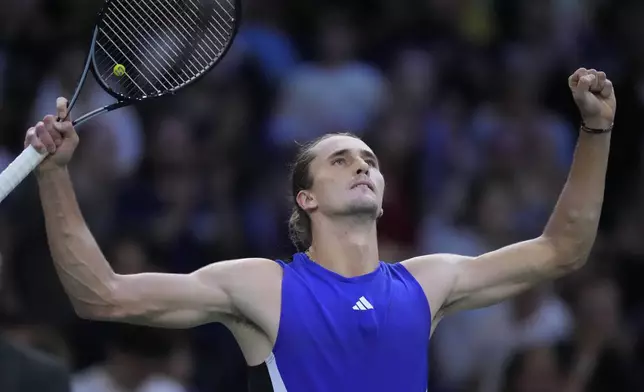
180,300
167,300
495,276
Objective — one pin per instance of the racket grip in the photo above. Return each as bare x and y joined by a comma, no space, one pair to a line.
18,170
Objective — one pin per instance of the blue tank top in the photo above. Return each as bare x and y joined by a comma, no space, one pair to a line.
367,333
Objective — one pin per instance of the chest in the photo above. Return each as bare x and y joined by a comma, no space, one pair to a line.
382,318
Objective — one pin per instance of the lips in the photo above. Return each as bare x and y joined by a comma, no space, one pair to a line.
369,185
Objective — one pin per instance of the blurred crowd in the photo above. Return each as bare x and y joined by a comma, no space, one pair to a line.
466,104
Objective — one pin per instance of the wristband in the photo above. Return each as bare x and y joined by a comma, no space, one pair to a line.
595,131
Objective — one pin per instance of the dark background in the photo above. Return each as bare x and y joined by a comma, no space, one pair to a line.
465,102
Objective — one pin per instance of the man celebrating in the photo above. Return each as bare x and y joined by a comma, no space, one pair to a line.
336,318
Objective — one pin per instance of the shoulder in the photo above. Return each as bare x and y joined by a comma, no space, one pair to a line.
252,277
435,269
438,263
247,267
436,274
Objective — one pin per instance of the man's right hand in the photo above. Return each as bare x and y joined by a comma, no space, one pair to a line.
59,139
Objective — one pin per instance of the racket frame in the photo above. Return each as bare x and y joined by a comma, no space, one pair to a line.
122,100
30,158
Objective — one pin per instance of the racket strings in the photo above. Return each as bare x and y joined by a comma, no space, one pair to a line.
175,37
146,47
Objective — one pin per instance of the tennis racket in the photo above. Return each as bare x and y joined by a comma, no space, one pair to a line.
145,49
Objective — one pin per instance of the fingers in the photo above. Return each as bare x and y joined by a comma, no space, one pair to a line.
583,80
61,109
595,80
49,134
65,129
594,95
35,136
50,122
32,140
43,134
573,80
607,89
600,80
584,84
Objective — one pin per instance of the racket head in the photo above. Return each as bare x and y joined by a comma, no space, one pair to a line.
150,48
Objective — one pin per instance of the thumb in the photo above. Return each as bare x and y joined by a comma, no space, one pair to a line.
61,109
64,126
66,130
583,85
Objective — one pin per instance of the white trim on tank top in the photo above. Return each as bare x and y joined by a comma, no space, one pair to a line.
274,373
276,377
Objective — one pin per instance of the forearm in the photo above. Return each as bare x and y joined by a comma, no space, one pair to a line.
572,227
86,276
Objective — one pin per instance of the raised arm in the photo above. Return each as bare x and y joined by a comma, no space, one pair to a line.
236,287
469,282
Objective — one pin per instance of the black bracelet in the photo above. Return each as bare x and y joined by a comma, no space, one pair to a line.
595,131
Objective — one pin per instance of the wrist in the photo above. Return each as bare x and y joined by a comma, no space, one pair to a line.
596,125
50,171
588,130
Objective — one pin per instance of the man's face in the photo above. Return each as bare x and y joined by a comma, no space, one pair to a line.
346,179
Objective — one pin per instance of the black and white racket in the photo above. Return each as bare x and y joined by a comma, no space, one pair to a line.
144,49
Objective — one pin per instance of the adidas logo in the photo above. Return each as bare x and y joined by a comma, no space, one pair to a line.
362,304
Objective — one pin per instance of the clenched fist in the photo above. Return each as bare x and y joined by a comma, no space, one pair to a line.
58,139
594,95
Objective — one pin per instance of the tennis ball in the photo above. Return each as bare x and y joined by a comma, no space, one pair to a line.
119,70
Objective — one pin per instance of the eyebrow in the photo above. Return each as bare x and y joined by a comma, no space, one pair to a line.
363,153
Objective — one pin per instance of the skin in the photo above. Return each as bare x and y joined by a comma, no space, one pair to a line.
245,294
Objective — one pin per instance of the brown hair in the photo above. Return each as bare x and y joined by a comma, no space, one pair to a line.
299,224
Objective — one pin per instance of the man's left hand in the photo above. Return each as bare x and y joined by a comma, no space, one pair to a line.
594,95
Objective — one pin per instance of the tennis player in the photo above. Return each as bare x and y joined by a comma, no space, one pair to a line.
335,318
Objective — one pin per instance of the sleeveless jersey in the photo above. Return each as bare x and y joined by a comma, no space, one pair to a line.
366,333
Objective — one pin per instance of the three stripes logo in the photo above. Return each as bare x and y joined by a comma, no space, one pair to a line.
362,304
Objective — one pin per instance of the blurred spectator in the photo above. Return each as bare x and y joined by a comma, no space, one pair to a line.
535,318
473,347
136,360
533,370
263,38
24,368
333,94
598,357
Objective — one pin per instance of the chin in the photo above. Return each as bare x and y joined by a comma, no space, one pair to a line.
363,207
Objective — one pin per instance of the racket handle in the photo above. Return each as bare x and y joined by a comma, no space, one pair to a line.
18,170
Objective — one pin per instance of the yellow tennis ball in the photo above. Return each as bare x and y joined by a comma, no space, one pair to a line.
119,70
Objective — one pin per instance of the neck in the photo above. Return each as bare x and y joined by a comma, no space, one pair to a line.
348,247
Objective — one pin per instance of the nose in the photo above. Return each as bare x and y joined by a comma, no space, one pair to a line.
363,167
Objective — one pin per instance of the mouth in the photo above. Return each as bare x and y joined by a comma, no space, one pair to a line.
364,183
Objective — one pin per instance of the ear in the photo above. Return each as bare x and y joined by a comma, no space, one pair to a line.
381,213
306,200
